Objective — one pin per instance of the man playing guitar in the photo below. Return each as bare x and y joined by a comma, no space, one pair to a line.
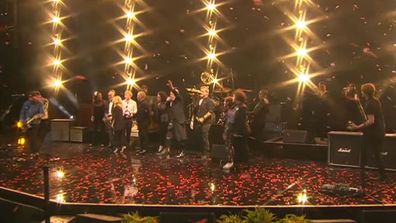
31,113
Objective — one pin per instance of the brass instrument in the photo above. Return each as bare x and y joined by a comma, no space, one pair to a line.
207,78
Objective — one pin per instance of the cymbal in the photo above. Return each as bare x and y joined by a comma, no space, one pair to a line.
193,90
222,90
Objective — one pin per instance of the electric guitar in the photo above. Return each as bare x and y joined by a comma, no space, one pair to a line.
27,124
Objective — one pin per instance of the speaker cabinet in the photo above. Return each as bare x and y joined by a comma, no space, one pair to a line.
219,152
344,148
60,129
388,154
294,136
78,134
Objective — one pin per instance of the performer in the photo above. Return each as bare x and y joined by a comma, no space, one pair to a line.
98,111
129,108
239,130
118,123
228,118
143,114
44,123
162,119
373,128
176,127
203,117
31,113
109,105
259,114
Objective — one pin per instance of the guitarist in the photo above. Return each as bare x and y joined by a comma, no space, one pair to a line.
373,128
31,113
203,117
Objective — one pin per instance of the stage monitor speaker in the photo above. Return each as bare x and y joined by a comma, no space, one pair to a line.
60,129
219,152
344,148
187,217
376,216
294,136
388,154
78,134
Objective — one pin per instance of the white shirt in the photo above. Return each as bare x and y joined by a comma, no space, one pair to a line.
110,107
129,108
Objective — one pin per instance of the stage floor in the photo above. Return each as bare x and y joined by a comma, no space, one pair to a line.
94,175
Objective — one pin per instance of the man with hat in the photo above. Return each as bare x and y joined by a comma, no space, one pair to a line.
31,113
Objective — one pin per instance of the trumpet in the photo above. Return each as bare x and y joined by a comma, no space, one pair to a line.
207,78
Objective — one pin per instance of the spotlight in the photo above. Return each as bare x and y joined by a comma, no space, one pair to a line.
211,56
56,62
21,141
128,60
212,32
56,20
19,124
210,6
300,24
60,174
303,77
57,42
57,84
130,15
128,38
302,197
212,187
302,52
215,81
60,197
130,82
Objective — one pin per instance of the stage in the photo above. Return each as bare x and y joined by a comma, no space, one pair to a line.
98,176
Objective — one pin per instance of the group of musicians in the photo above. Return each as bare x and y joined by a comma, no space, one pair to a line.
116,115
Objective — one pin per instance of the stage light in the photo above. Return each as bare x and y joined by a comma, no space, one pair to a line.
130,15
56,20
57,42
57,84
57,1
21,141
211,56
19,124
60,174
212,187
130,82
212,32
302,52
128,60
129,38
215,81
211,6
57,62
300,24
60,197
302,198
303,77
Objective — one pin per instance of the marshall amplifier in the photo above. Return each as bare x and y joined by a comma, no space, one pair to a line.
388,154
344,148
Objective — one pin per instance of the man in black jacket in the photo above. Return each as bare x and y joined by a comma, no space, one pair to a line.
203,119
373,129
143,120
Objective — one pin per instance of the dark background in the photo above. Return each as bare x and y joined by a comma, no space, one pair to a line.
357,40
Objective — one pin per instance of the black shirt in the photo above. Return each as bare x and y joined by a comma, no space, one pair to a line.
373,107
